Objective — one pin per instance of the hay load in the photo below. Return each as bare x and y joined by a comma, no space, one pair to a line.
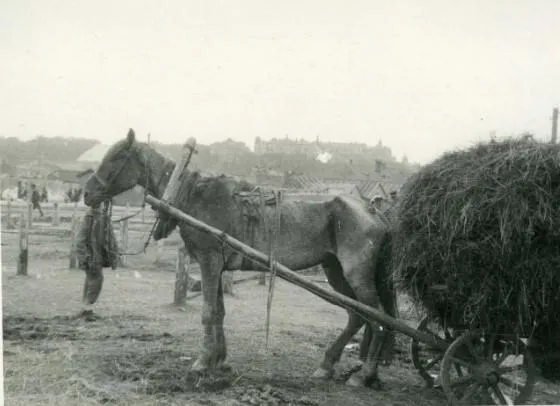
477,242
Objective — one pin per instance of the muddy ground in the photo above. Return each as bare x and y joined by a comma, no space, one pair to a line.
136,348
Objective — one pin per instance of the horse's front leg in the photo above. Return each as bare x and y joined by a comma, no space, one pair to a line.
214,345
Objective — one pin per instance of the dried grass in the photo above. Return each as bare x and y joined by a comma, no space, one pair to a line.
477,242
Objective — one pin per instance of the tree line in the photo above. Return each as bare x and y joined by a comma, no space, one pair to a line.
230,157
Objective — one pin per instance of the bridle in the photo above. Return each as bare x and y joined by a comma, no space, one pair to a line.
107,183
106,187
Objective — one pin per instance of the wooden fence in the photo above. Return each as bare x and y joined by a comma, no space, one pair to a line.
63,220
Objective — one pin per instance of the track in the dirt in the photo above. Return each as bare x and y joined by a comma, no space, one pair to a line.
167,372
164,370
71,328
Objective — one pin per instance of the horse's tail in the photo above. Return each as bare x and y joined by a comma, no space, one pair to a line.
387,293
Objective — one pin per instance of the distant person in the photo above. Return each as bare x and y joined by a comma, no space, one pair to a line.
44,195
79,192
69,194
36,198
393,196
21,190
375,204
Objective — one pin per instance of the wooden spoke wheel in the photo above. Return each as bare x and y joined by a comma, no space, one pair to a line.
427,360
494,370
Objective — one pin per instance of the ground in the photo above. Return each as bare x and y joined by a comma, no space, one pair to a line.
136,348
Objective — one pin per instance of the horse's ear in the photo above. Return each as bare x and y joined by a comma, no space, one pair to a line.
131,136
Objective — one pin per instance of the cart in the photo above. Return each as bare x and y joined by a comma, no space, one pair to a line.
471,366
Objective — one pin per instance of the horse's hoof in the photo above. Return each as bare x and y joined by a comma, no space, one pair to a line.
375,385
223,367
199,367
322,373
355,381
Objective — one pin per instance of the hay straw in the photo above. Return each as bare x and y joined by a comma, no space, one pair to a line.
484,223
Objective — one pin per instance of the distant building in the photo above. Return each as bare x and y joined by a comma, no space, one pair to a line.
313,149
286,146
65,176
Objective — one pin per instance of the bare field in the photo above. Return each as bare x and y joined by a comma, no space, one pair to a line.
136,349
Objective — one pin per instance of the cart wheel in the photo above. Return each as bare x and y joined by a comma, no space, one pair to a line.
426,359
493,370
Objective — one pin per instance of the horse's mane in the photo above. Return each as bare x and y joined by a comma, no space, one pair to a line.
213,189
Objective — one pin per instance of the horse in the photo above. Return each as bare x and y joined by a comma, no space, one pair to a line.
338,234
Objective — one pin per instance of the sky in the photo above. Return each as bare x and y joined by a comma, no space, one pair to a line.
422,76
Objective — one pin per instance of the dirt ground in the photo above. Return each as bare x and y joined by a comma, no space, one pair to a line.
136,349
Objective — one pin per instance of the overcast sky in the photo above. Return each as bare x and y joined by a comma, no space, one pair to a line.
422,75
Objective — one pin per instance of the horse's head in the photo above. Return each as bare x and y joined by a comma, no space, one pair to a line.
121,169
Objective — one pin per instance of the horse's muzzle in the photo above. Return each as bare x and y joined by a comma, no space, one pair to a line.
91,201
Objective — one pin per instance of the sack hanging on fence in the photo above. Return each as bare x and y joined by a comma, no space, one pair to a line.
96,248
96,243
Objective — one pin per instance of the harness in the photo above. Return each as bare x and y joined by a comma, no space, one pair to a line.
253,204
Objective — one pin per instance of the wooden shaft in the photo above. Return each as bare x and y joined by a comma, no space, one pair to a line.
287,274
173,184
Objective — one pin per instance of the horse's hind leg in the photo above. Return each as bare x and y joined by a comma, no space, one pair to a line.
219,330
368,376
366,342
334,352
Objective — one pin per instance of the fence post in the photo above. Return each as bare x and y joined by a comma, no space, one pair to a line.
29,207
9,224
23,257
227,282
159,250
262,278
181,276
264,231
56,215
124,235
73,246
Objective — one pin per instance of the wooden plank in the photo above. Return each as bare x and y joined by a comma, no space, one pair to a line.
287,274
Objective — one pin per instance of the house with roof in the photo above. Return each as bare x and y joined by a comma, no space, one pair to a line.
94,155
